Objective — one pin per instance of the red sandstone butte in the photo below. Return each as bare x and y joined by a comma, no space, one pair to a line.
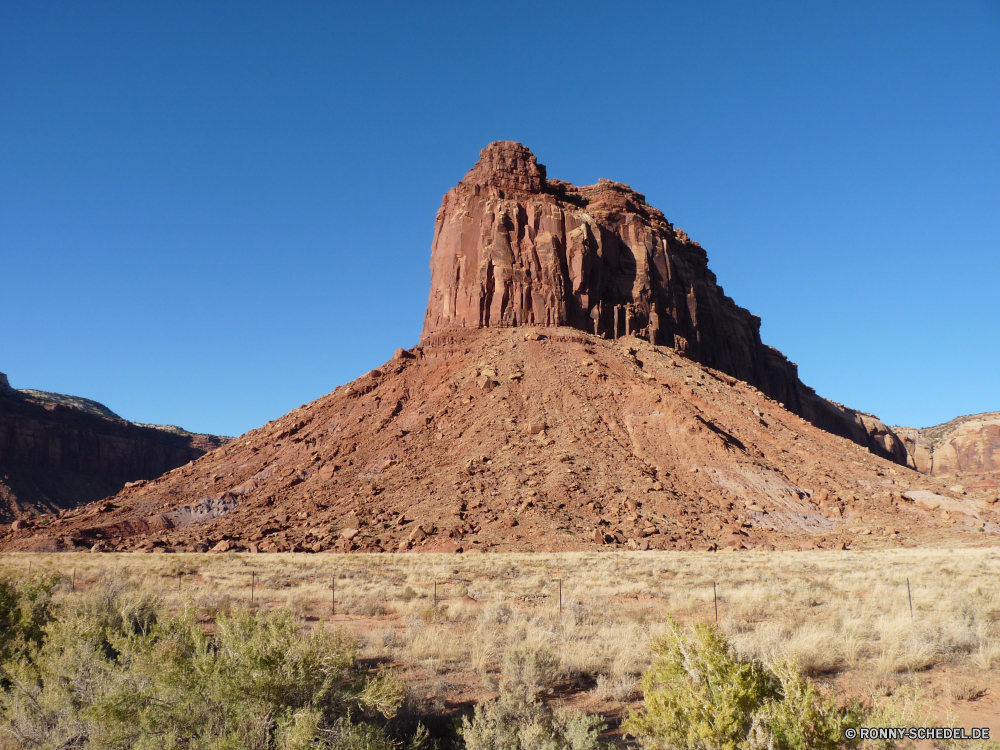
496,438
513,248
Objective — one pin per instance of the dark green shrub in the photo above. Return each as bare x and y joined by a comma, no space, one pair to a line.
700,696
25,610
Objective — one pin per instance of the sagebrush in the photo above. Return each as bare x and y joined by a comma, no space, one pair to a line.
110,672
700,695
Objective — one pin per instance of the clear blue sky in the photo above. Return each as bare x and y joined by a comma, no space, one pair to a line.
211,213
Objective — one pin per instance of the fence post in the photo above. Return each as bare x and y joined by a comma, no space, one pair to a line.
253,579
333,596
715,595
910,597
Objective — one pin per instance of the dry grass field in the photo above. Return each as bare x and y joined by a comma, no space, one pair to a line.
446,622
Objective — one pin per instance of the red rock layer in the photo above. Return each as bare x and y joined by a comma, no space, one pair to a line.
493,440
512,248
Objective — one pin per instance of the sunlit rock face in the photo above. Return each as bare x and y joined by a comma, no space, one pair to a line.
965,445
515,248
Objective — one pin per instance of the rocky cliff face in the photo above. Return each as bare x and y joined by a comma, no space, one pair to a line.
56,455
533,439
965,445
513,248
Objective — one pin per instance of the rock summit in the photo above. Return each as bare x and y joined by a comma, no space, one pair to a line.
582,382
513,248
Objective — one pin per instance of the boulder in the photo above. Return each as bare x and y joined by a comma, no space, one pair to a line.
925,498
417,535
159,522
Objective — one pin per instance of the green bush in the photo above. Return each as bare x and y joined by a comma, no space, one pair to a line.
110,672
700,696
514,721
529,669
348,736
25,610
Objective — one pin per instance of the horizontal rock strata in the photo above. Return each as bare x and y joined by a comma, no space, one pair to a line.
54,455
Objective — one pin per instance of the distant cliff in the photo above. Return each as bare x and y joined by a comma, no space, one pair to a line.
965,445
59,452
512,247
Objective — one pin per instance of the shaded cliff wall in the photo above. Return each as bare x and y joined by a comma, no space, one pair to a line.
54,456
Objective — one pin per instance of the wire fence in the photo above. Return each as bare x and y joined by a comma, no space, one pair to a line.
247,586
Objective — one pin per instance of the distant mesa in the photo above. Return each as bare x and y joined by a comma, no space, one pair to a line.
967,445
514,248
75,402
58,452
